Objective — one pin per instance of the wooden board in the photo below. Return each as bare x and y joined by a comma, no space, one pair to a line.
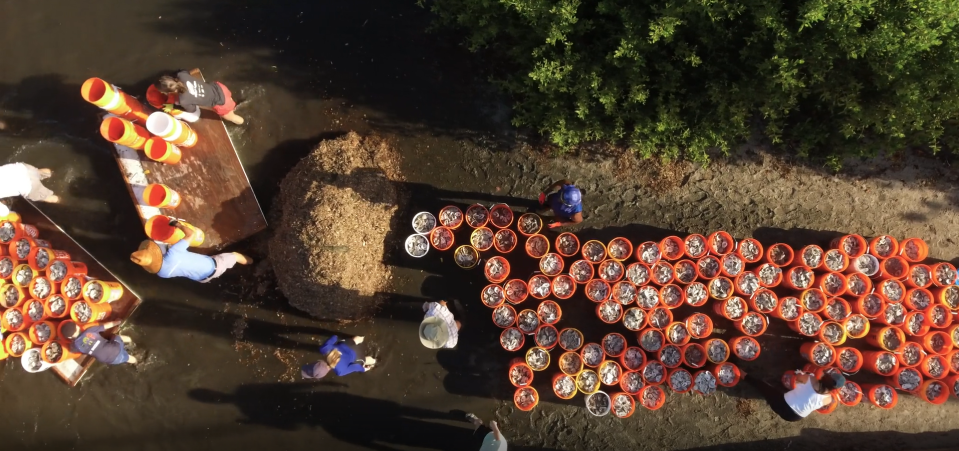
72,371
216,193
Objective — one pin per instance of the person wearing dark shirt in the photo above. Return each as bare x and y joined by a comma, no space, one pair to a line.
192,93
90,341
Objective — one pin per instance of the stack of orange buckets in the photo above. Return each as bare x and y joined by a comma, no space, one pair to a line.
639,290
42,288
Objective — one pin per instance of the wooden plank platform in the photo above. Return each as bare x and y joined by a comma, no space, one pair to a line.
72,371
215,191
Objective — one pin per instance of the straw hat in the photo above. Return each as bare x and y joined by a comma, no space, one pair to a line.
434,333
149,256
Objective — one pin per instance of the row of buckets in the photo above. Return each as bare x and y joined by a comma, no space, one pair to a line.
41,290
661,276
159,135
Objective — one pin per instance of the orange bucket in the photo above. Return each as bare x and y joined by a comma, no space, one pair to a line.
5,322
672,296
11,337
707,262
20,267
32,289
570,363
592,347
500,216
737,374
526,219
943,392
699,297
888,288
870,359
516,291
924,324
701,250
857,284
853,351
535,253
108,291
632,404
672,248
669,380
599,309
796,324
893,247
894,379
749,242
671,348
691,321
544,316
525,393
721,281
713,240
857,393
807,349
811,264
594,251
535,283
561,281
833,326
98,311
777,271
914,250
831,407
72,280
942,296
161,151
691,351
505,265
780,254
930,342
655,396
946,268
11,290
720,308
792,273
502,335
48,307
718,342
788,380
835,280
684,272
623,286
874,337
787,302
112,99
894,267
764,294
158,228
619,249
480,213
567,237
513,315
610,363
455,213
504,241
594,289
856,317
751,316
160,196
652,332
123,132
655,314
846,309
35,337
870,391
65,352
931,360
858,244
560,377
624,358
556,270
35,251
911,281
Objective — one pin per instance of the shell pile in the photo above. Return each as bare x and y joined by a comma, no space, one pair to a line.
671,249
451,217
598,404
721,244
17,345
537,246
632,382
720,288
525,397
7,232
33,361
789,308
587,381
504,316
734,308
495,267
648,297
748,283
72,288
809,324
501,217
570,340
57,305
24,276
895,314
867,265
516,290
10,295
685,271
909,379
662,273
623,405
911,249
855,325
835,260
14,318
624,292
753,323
812,256
527,322
915,322
832,332
851,245
726,374
42,288
493,295
570,363
581,271
885,363
696,294
609,372
593,354
946,275
567,244
619,249
563,286
920,299
894,267
511,339
633,358
768,274
54,351
935,366
597,290
614,344
539,286
934,390
778,255
749,250
82,311
717,351
649,253
766,301
6,267
651,341
441,238
813,300
733,265
537,358
546,337
694,356
43,259
912,354
504,240
564,386
822,355
652,397
695,246
476,216
638,274
593,251
836,309
709,267
677,333
659,318
529,224
705,382
848,393
938,314
699,325
746,349
551,264
892,291
680,380
423,222
23,248
833,284
801,277
670,356
634,318
920,275
883,395
35,310
654,372
611,270
482,238
43,332
671,295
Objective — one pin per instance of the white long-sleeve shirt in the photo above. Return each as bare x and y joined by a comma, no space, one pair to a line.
14,181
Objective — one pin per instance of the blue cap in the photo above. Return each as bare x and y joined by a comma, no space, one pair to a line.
838,378
571,195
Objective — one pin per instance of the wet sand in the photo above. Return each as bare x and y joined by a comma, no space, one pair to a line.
219,360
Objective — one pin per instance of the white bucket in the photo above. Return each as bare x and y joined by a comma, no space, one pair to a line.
416,237
163,125
25,359
872,259
609,403
430,218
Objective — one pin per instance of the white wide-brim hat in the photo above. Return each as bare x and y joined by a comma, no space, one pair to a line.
434,333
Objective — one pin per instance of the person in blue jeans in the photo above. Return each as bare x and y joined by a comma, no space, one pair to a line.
178,261
339,357
566,203
90,341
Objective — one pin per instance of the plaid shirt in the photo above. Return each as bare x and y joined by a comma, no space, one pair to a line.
437,309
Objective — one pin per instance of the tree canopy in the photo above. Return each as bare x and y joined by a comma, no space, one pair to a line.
680,77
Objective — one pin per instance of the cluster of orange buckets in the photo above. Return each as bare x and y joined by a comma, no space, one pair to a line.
886,311
637,288
41,289
159,135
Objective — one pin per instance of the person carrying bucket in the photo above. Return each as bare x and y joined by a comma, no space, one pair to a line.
439,329
177,261
21,179
340,357
566,203
809,395
91,342
486,438
191,93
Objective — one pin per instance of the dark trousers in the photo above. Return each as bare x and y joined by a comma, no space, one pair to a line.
775,399
476,442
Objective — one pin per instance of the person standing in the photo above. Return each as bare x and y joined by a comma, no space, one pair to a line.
439,329
21,179
566,203
177,261
486,438
339,357
193,93
809,395
91,342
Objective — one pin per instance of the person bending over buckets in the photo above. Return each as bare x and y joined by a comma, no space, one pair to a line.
177,261
90,341
190,92
21,179
567,203
809,395
338,356
439,329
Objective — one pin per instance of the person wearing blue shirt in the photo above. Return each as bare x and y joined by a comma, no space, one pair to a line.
566,203
339,357
177,261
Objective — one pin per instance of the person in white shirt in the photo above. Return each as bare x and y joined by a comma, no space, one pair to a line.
21,179
809,395
439,329
486,438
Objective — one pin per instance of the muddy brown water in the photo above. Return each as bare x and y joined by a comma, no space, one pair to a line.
219,361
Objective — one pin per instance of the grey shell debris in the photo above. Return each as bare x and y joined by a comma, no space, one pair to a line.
521,376
812,256
746,349
694,356
720,244
593,251
7,232
768,274
504,316
634,318
809,324
611,270
593,354
493,295
659,318
709,267
564,386
423,222
884,247
622,405
638,274
651,341
482,239
649,253
695,246
511,339
467,258
705,382
537,245
789,308
570,340
883,395
563,286
726,374
527,322
567,244
72,288
609,372
625,292
680,380
749,250
35,310
720,288
546,337
732,264
696,294
753,323
619,249
685,271
778,255
632,382
670,356
82,311
835,260
652,396
581,271
654,372
476,216
614,344
648,297
537,358
766,301
451,217
6,267
610,311
717,351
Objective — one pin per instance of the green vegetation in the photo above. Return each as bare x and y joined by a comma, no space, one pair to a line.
678,78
